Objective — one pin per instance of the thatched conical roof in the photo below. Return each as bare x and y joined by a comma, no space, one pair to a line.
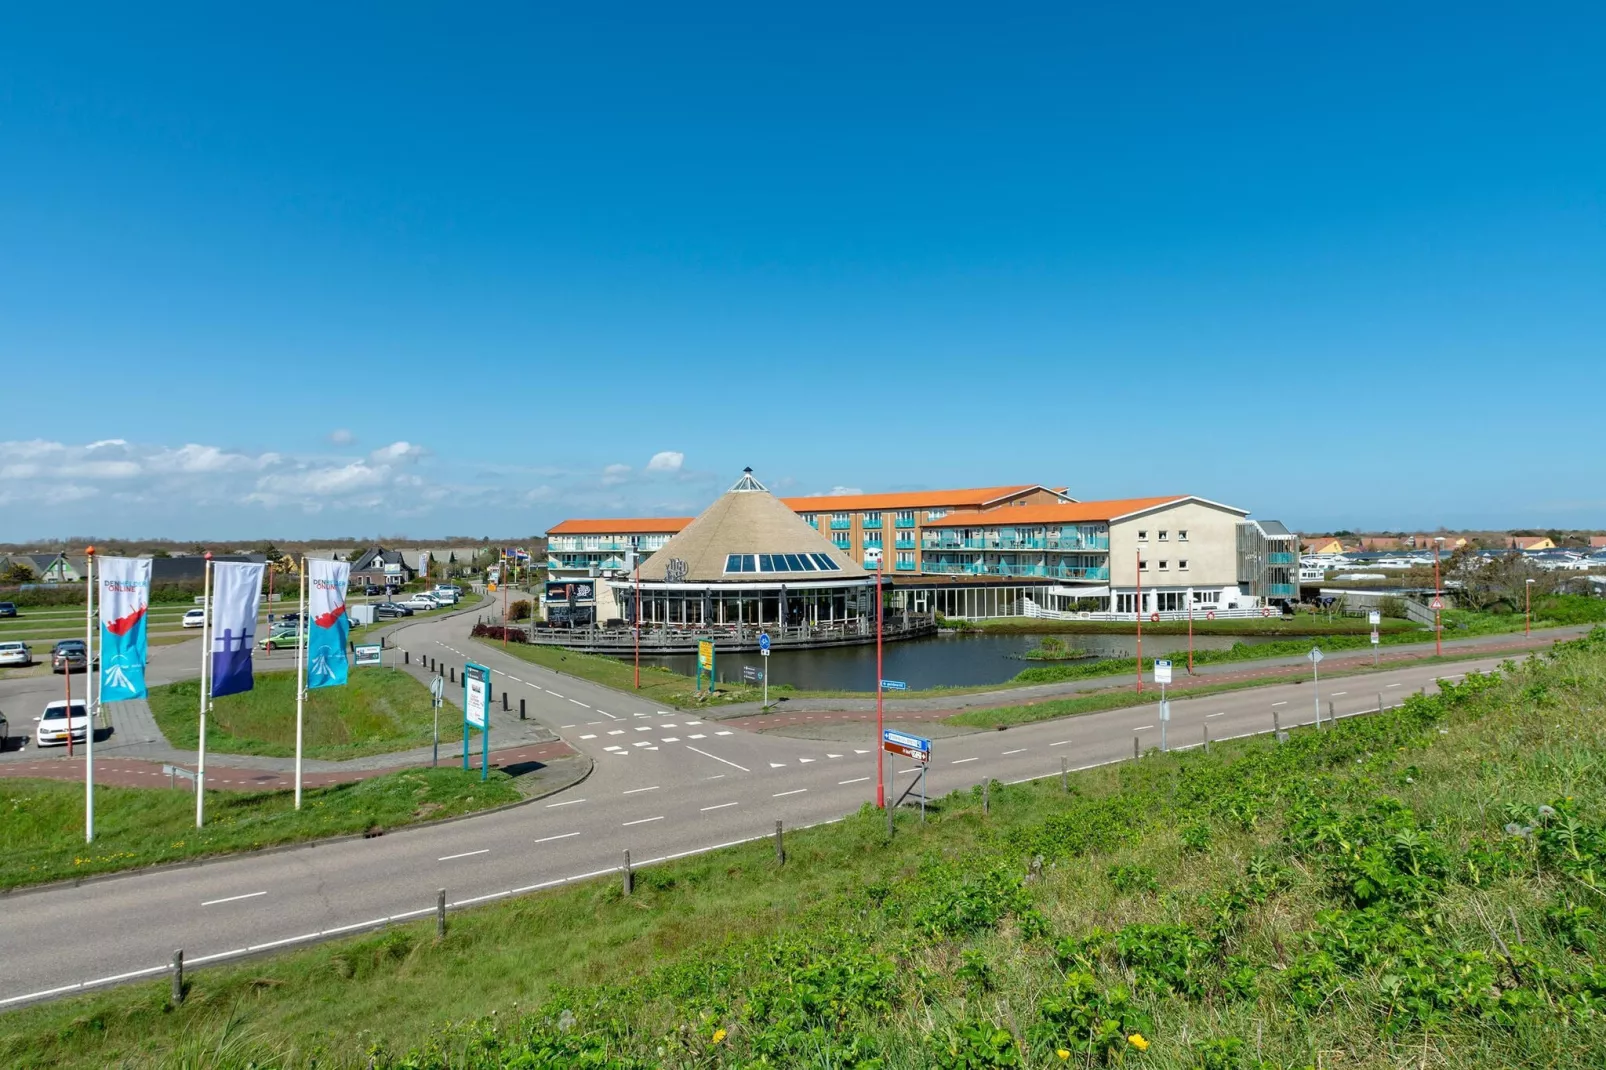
747,519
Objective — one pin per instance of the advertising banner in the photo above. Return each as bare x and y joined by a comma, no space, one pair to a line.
326,609
236,599
125,591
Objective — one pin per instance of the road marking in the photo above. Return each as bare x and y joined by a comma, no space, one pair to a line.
643,743
667,726
232,898
617,732
1018,750
605,713
465,854
565,802
577,702
642,821
591,735
833,755
1279,703
1223,713
725,733
633,791
794,791
719,806
644,728
559,836
694,724
777,765
568,726
697,735
805,761
1144,728
716,776
1394,685
961,761
551,692
861,752
1336,694
1061,743
855,780
717,758
670,739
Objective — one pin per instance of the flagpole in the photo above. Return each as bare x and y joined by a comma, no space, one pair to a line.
301,673
89,705
206,661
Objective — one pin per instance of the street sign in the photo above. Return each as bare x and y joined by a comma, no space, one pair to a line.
369,654
705,664
1374,639
1210,614
896,742
1374,618
1436,604
1165,709
437,689
171,771
764,643
1315,655
752,675
894,685
1162,671
476,695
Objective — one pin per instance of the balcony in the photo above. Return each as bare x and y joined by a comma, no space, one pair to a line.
904,542
870,523
903,522
841,525
904,566
979,568
994,542
1280,559
1281,590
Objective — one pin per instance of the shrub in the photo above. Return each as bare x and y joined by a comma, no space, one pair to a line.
519,610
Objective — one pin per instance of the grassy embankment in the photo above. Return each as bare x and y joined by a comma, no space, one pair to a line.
1419,888
1303,624
378,712
44,819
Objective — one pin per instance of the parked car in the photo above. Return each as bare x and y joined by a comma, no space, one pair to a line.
8,609
447,592
5,731
421,603
372,590
281,639
193,618
392,609
69,655
16,653
55,724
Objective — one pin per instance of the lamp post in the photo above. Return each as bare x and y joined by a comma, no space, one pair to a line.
1137,604
1527,607
880,765
638,622
1438,599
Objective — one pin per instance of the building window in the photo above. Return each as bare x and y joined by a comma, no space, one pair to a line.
1182,535
1163,534
1143,536
841,539
936,514
1182,565
872,538
1143,566
1164,566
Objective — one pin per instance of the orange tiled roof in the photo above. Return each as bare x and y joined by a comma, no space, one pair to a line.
651,525
1067,513
918,499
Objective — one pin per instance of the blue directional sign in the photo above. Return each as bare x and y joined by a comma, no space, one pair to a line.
909,746
894,685
764,643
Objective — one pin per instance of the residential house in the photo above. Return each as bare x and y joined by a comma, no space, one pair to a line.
1531,542
52,568
1380,542
1326,545
378,565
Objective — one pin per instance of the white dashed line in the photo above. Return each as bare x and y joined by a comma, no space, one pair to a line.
232,898
559,836
725,733
565,802
1338,694
697,735
717,758
577,702
642,821
634,791
644,728
855,780
1017,750
568,726
1141,728
549,691
1279,703
794,791
617,732
591,735
465,854
1222,713
717,806
643,743
670,739
961,761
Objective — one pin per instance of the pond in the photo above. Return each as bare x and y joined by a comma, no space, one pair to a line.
939,661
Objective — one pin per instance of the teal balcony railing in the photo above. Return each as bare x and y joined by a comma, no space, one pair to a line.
902,522
870,523
904,566
904,542
841,525
935,541
1280,590
1021,571
841,541
1279,559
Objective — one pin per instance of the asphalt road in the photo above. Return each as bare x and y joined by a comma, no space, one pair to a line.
666,784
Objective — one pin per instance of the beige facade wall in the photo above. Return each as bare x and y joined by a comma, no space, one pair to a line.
1211,548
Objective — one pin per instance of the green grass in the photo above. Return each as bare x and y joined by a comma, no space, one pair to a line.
44,819
1388,893
1303,624
381,710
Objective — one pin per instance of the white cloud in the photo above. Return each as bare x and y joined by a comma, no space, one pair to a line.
839,491
666,461
396,452
341,436
615,474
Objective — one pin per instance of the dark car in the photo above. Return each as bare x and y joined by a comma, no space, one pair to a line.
373,589
392,609
69,655
8,609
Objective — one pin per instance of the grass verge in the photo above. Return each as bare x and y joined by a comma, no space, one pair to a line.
379,711
1304,624
44,819
1418,888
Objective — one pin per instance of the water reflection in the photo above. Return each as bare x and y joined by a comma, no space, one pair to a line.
951,661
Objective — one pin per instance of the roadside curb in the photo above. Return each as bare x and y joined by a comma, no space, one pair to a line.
281,848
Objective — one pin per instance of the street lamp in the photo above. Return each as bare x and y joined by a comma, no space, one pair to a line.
1438,599
880,764
1527,607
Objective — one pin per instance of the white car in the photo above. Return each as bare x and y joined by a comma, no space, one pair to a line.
446,596
421,602
55,724
15,654
193,618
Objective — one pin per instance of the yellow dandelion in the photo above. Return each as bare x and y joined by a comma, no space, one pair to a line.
1063,1054
1137,1041
720,1035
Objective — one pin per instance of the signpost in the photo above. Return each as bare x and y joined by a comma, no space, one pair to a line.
369,654
894,685
764,652
1315,658
477,713
894,743
437,694
705,663
1162,676
1374,618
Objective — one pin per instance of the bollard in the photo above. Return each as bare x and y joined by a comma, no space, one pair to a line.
629,877
1276,727
1065,776
504,701
452,679
986,803
521,709
1207,739
407,657
178,977
889,820
1380,702
440,914
1332,718
1135,753
780,848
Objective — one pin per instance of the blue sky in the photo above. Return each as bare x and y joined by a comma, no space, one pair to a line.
331,269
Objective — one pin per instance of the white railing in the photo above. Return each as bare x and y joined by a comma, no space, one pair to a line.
1030,608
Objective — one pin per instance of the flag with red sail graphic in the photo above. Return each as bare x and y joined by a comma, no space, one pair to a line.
124,593
326,608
